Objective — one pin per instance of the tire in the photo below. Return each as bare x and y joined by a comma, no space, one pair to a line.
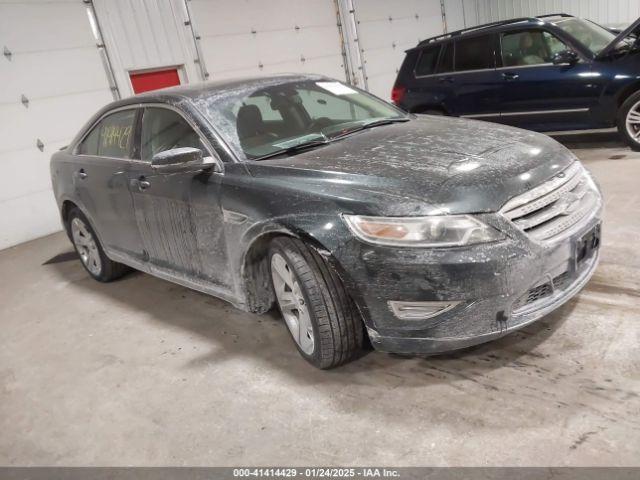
90,251
314,287
630,110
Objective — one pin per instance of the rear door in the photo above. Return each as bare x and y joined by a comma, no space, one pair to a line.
428,91
100,180
475,82
539,95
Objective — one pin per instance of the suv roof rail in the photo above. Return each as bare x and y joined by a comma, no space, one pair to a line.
489,25
554,15
477,27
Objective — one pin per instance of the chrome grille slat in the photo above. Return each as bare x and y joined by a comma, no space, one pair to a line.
553,210
548,210
555,227
544,200
543,189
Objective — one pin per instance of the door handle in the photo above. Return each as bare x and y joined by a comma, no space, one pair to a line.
140,183
446,79
510,76
143,184
82,174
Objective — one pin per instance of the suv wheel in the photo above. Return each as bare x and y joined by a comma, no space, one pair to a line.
321,317
92,256
629,121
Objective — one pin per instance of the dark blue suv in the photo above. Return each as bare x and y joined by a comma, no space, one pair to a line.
549,73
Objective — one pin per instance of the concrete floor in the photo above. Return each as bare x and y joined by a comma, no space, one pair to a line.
144,372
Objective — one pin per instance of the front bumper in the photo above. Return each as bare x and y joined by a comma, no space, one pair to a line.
517,321
498,286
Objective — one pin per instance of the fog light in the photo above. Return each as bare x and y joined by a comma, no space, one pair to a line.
420,310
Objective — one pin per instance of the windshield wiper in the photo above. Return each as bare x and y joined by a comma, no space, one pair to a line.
371,124
296,148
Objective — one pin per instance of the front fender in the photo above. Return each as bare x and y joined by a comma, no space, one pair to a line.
325,233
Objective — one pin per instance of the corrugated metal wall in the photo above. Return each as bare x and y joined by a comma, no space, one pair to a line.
385,30
146,35
257,37
466,13
51,59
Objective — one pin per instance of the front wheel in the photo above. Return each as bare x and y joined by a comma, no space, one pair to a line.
629,121
321,317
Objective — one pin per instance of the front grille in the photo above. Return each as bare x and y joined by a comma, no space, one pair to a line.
543,290
550,210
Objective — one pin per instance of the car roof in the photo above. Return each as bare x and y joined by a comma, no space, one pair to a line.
204,89
490,27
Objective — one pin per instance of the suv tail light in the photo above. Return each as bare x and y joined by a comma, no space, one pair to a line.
397,94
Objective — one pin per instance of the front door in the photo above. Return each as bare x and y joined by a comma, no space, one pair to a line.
538,95
178,213
102,184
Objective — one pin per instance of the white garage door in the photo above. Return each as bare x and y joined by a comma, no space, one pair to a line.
50,58
386,29
252,37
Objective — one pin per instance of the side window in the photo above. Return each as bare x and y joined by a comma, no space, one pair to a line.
164,129
475,53
529,47
111,137
427,62
446,59
89,146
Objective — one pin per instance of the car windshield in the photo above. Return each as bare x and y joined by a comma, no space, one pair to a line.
590,34
272,116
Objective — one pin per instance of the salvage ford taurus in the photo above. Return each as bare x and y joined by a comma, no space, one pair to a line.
423,235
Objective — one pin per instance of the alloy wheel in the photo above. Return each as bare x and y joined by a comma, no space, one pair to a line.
292,303
86,246
633,122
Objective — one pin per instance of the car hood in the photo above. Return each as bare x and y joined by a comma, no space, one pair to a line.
630,30
428,165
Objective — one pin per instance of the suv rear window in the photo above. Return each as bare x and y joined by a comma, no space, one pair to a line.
446,59
427,61
475,53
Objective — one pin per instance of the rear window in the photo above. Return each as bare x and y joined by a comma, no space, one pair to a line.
446,59
427,61
112,137
475,53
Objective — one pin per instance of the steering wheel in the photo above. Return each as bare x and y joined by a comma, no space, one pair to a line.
319,123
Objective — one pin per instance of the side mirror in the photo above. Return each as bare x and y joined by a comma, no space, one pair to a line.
185,158
177,157
565,57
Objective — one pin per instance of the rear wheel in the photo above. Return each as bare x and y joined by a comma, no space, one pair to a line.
629,121
321,317
92,256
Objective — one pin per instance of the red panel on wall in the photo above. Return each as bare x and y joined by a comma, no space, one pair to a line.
143,82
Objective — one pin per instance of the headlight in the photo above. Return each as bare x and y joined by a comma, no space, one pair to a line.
432,231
